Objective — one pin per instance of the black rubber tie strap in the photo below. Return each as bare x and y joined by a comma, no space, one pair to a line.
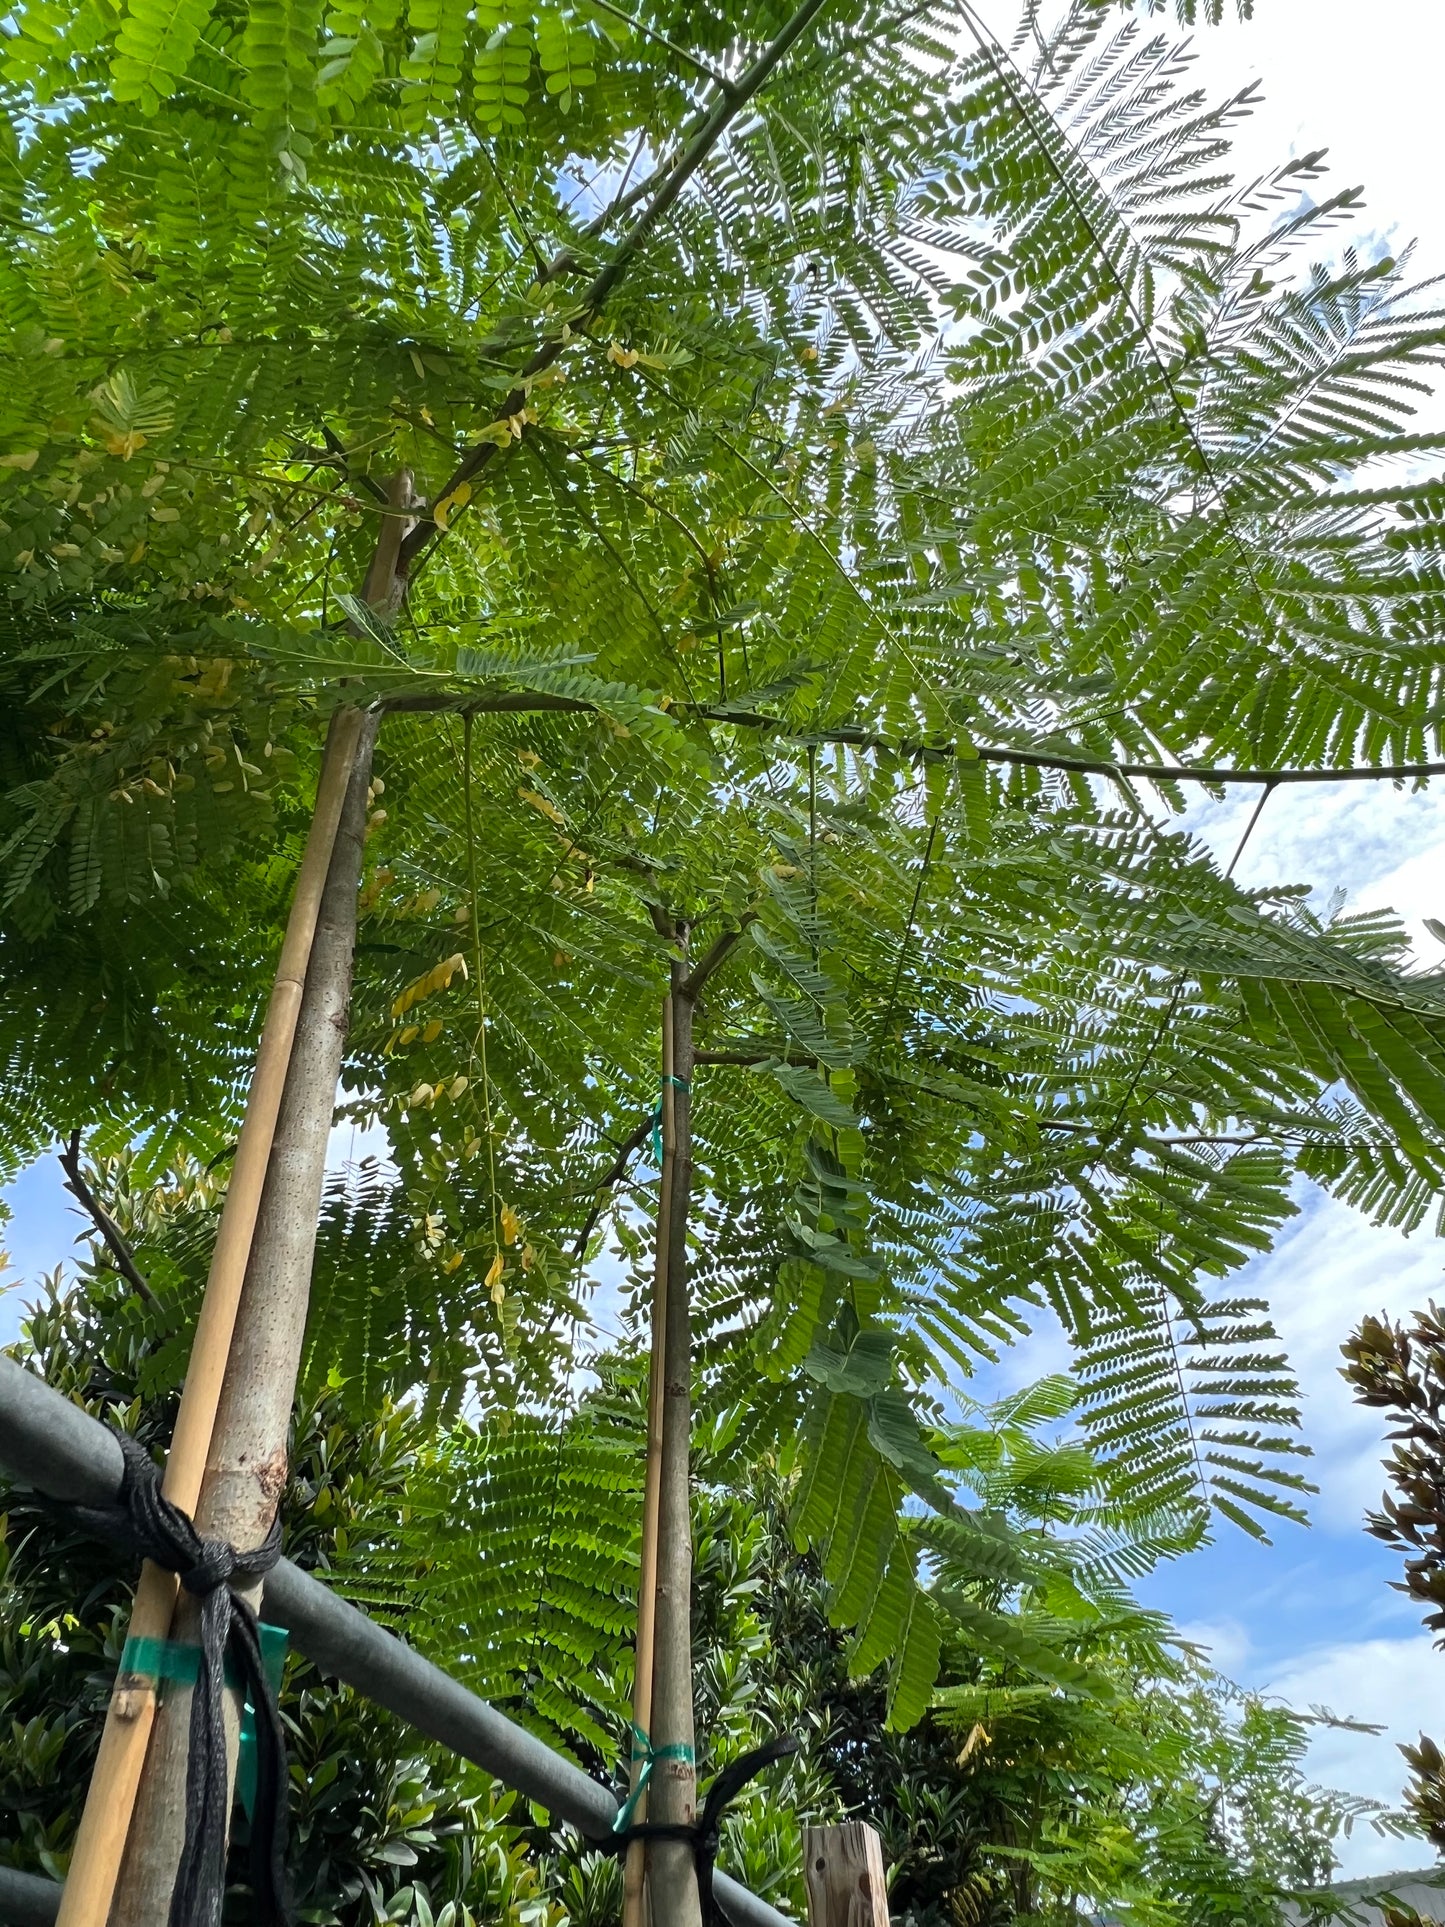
703,1835
143,1520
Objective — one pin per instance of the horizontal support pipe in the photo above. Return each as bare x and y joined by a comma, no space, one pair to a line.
52,1445
27,1900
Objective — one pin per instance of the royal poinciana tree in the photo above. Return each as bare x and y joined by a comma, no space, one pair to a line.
810,497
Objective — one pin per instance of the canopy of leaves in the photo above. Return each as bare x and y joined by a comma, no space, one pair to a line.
830,434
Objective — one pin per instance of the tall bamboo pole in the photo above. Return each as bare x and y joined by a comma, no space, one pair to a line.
247,1465
100,1841
671,1870
632,1891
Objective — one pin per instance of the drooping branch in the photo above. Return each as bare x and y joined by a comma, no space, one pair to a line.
614,1174
661,193
104,1223
846,736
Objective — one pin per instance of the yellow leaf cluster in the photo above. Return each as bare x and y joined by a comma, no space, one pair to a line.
540,802
439,977
449,504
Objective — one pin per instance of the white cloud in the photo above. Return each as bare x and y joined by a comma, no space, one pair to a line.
1226,1644
1329,1268
1395,1683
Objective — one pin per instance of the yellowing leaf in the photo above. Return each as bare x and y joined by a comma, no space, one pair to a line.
539,802
439,977
429,1035
449,504
26,459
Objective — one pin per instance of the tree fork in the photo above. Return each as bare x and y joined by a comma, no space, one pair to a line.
247,1465
105,1821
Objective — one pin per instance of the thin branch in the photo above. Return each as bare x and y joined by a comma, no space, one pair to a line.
691,985
908,931
724,111
678,52
1081,765
784,1054
104,1223
848,737
614,1175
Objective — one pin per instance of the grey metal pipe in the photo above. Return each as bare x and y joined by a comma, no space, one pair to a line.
52,1445
26,1900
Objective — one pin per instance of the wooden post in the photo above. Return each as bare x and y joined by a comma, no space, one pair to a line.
636,1864
847,1884
247,1465
105,1822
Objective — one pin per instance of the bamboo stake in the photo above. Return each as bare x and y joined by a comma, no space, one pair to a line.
632,1910
105,1822
247,1465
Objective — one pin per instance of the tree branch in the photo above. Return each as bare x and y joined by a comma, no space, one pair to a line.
104,1223
1050,759
732,98
784,1054
691,985
616,1171
848,737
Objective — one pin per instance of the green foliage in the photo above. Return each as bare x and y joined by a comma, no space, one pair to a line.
380,1824
772,460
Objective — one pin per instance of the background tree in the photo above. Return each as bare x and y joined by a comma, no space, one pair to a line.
1133,1774
1400,1370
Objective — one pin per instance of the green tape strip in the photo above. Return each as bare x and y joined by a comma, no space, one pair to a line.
161,1659
273,1658
169,1659
649,1755
678,1084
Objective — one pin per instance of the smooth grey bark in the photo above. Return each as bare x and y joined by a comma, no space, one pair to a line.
50,1444
246,1468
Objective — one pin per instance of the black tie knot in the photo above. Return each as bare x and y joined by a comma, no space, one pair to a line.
143,1518
214,1568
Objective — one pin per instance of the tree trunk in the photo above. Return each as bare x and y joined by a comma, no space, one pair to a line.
672,1873
632,1889
247,1466
100,1841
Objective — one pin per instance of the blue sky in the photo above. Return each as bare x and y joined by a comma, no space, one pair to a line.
1312,1617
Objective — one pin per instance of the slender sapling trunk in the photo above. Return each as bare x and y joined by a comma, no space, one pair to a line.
671,1871
247,1465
